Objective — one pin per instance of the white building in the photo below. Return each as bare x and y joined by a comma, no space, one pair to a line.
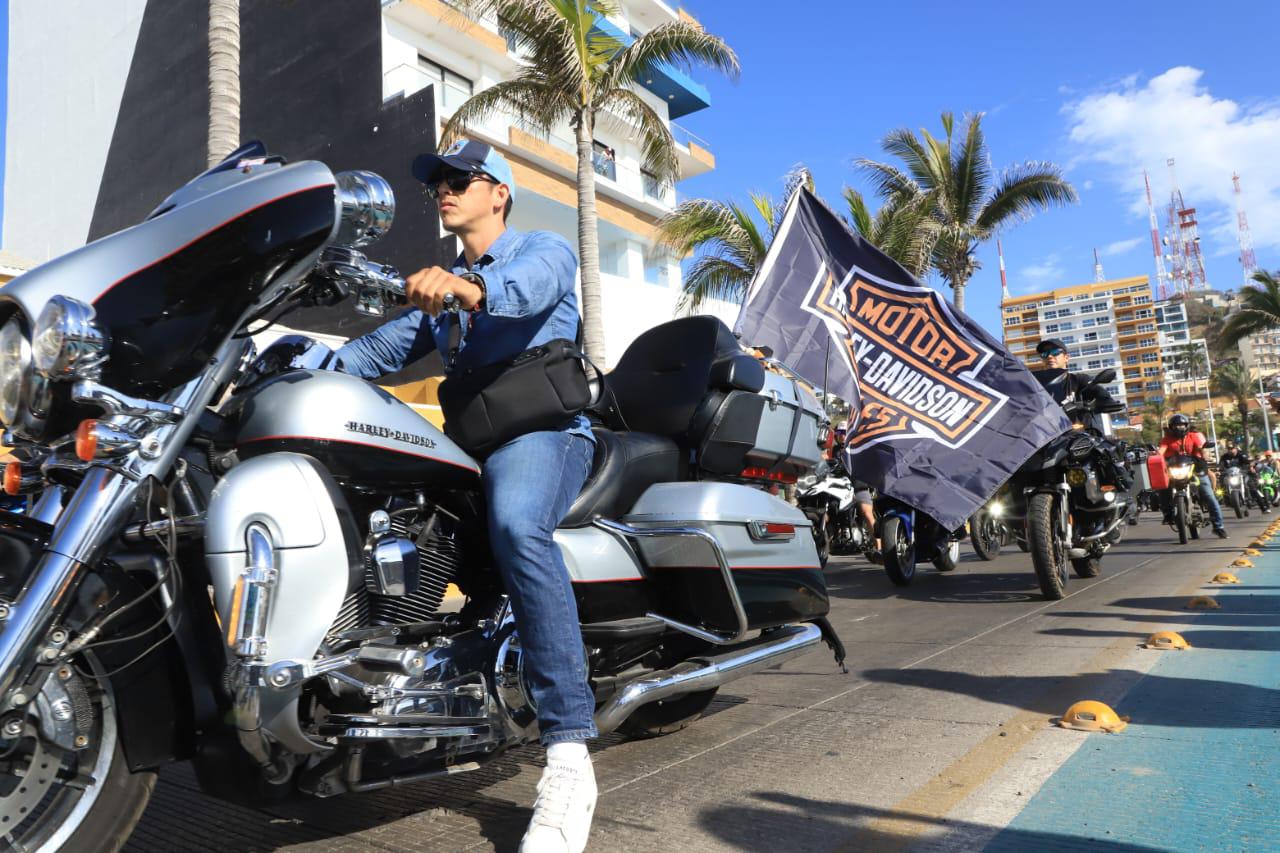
1175,336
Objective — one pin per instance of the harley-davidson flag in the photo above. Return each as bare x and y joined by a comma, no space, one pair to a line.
942,413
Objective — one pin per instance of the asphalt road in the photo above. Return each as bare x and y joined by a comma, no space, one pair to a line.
933,741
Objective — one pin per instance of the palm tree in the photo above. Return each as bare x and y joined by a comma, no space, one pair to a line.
1189,359
953,178
1259,310
730,239
224,79
574,71
1233,380
902,228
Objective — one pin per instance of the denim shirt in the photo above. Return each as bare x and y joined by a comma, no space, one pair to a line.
529,300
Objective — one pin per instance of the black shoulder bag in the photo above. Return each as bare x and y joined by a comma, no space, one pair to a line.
540,389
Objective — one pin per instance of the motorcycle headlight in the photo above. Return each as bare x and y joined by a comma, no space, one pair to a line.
1180,472
368,208
68,343
15,358
1234,480
996,509
1076,476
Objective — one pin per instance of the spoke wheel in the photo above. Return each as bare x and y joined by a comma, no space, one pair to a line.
1048,546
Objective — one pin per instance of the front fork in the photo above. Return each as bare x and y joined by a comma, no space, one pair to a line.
31,641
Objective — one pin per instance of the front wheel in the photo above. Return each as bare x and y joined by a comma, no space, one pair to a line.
1237,504
985,536
1180,513
821,541
57,797
1048,548
898,552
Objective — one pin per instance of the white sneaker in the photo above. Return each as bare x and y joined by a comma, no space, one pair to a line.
562,813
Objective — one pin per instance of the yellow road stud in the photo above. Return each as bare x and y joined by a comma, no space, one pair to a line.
1242,563
1203,602
1166,640
1225,577
1091,716
1252,552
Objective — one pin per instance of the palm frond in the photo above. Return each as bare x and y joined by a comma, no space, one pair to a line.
713,277
534,105
972,172
915,156
888,180
675,43
1024,190
697,222
859,216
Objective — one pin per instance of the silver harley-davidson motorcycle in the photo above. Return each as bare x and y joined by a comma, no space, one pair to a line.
242,560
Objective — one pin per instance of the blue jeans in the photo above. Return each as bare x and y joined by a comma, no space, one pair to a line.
530,483
1209,499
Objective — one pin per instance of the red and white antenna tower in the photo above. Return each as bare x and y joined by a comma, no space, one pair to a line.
1248,261
1184,236
1162,277
1004,282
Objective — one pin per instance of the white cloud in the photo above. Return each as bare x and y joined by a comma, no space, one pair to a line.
1136,125
1087,185
1120,247
1038,276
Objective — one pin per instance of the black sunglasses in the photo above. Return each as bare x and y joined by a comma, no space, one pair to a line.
457,182
1050,353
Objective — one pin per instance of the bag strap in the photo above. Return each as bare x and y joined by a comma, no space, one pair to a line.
795,424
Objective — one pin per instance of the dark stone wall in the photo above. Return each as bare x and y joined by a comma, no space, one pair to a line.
311,89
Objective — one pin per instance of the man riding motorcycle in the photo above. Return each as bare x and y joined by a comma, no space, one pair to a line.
1236,457
517,291
1181,440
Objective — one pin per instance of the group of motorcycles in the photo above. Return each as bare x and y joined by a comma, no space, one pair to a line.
1065,505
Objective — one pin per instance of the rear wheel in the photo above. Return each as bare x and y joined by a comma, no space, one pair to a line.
985,536
667,716
1180,518
1048,549
947,556
898,552
1087,567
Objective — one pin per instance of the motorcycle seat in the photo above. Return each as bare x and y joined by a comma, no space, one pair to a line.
625,464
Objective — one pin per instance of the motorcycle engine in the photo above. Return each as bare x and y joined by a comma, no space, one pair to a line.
410,560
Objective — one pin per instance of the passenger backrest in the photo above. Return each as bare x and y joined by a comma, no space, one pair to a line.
667,372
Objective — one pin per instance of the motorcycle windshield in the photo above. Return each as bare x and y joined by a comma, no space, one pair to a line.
1055,381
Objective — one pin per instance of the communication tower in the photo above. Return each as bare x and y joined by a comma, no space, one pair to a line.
1004,282
1184,237
1248,261
1097,267
1162,277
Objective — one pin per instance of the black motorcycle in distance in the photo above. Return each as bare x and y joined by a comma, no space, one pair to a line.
1072,495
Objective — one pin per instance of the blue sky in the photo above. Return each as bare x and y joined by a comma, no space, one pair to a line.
4,94
1103,89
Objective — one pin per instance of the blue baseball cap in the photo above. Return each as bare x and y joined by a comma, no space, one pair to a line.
466,155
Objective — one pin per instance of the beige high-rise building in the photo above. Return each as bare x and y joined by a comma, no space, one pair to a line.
1104,324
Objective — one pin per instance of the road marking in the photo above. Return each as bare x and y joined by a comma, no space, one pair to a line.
860,685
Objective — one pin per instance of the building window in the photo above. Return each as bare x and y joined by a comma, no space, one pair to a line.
657,264
1146,327
1051,328
452,89
605,160
1130,359
1090,336
1151,356
657,190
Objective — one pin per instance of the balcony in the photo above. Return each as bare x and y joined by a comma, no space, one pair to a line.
683,95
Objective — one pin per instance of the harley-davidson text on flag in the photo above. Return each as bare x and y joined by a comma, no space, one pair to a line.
942,413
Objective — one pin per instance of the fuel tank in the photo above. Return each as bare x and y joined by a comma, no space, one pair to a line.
170,289
362,434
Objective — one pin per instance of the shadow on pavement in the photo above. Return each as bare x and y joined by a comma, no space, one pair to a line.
1195,702
1254,603
1249,641
777,821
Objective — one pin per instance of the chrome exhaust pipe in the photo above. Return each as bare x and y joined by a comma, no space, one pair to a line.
707,672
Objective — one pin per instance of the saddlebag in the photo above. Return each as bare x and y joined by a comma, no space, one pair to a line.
766,542
787,437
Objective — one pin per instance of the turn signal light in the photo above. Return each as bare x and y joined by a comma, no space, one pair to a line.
12,478
87,440
766,474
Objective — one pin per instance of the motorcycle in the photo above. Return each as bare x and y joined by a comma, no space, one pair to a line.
1234,489
1071,496
827,498
241,560
907,535
1268,488
1189,514
988,531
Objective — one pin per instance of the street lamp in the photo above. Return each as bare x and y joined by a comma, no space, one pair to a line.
1262,404
1213,427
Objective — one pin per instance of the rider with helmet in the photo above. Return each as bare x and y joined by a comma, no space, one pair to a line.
1181,439
861,491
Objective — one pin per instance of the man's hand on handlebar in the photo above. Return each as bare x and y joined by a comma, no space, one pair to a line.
428,287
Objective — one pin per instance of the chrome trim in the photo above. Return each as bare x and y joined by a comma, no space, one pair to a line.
624,531
142,531
390,732
115,402
368,207
49,506
82,343
1092,536
711,671
253,590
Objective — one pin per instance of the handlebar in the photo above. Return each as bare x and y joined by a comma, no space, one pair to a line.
377,287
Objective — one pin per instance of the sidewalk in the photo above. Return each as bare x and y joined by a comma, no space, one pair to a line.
1198,768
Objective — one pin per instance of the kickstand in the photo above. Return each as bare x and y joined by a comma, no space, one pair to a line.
833,642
